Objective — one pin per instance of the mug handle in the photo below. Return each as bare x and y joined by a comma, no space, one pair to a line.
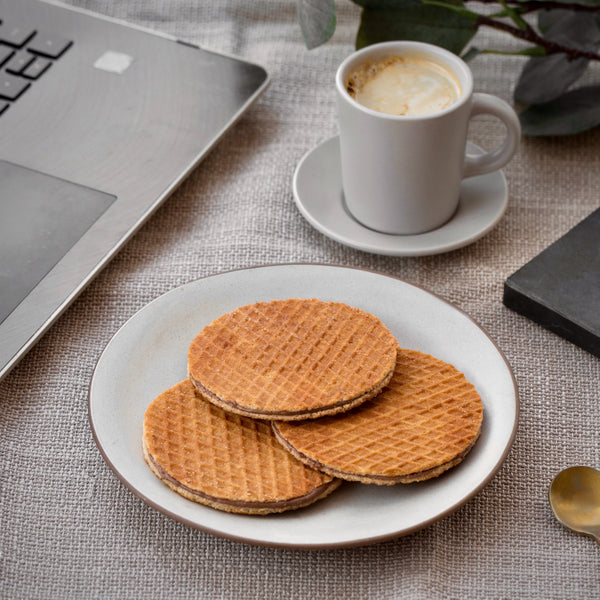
496,159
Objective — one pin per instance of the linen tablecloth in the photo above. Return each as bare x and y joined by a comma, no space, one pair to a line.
70,529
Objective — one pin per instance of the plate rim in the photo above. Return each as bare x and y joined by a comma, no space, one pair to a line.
365,541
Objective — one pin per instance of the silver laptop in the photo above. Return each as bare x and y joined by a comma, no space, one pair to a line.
99,123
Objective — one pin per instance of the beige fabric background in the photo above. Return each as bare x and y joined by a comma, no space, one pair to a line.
70,529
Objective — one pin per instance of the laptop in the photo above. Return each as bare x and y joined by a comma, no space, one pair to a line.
99,123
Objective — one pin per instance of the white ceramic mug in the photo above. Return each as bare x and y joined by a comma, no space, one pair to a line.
402,174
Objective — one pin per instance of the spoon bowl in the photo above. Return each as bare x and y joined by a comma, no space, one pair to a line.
574,497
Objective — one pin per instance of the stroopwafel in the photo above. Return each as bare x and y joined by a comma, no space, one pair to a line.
292,359
225,461
423,423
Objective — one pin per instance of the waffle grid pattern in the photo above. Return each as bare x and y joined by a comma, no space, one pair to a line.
222,455
292,355
427,416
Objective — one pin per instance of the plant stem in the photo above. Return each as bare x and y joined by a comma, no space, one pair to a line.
528,6
530,35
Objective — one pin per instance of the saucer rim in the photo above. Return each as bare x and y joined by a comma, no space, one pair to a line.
407,245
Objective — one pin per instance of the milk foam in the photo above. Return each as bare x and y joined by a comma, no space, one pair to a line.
399,85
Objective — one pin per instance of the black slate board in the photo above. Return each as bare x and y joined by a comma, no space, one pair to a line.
560,287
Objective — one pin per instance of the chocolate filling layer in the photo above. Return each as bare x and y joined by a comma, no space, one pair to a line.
372,477
282,414
299,501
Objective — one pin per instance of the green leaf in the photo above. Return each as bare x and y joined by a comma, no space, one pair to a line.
529,51
513,13
458,9
576,2
574,29
471,53
397,4
317,20
548,18
546,78
413,20
573,112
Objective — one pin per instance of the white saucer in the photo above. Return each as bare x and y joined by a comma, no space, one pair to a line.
318,194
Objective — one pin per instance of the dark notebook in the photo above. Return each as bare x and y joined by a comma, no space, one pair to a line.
560,287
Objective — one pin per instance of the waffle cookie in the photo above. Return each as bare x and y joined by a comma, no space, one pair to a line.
226,461
422,424
292,359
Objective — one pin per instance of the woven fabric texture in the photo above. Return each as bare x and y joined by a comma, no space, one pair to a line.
70,529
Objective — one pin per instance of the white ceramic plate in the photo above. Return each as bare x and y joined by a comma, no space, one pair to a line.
148,355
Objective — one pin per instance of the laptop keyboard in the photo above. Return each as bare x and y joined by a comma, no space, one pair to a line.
25,55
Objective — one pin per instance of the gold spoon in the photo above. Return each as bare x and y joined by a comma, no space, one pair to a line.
575,500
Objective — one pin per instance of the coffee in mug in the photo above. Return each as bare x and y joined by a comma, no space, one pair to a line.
402,85
404,110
